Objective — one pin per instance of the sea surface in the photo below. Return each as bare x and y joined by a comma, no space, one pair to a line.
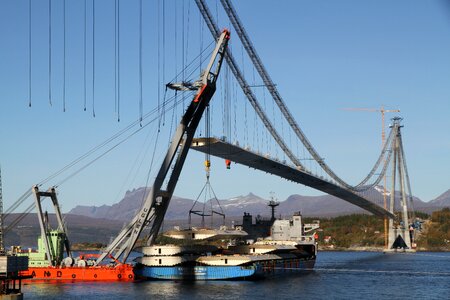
337,275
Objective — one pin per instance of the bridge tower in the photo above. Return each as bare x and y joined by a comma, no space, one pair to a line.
401,229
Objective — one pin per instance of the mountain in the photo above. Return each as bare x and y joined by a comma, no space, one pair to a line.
79,229
126,209
442,200
317,206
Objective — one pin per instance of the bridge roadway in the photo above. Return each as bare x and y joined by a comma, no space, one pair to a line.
222,149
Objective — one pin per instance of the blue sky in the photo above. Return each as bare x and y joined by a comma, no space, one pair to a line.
323,56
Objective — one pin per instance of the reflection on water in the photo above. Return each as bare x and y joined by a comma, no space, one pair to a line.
338,275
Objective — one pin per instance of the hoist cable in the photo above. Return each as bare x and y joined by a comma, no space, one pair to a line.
64,55
101,145
118,61
140,62
50,52
109,149
18,202
115,56
19,218
182,42
93,58
84,55
192,64
159,83
29,53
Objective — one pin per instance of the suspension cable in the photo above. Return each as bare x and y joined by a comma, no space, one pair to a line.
118,61
140,63
64,55
29,53
115,56
93,58
50,52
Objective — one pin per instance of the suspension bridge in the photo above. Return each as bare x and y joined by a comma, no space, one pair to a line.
275,131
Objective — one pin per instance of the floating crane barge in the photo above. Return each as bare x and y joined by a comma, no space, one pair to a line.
48,261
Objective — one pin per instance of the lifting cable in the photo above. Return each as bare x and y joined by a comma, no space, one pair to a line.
140,64
29,53
187,30
84,55
50,52
93,58
159,83
164,55
115,56
101,145
111,148
64,56
118,61
182,42
28,192
176,56
18,202
18,219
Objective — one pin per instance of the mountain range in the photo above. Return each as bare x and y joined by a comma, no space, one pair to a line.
314,206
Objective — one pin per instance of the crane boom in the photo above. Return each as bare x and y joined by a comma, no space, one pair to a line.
155,206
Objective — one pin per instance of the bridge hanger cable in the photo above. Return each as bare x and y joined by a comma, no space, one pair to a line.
115,56
405,171
93,58
84,54
214,29
231,12
64,55
140,63
118,62
50,52
163,55
159,82
29,53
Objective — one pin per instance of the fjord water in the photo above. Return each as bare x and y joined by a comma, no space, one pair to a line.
337,275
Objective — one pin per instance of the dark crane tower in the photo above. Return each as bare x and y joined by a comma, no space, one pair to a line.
153,210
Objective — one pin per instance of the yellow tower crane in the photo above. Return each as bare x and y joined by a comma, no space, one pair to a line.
383,140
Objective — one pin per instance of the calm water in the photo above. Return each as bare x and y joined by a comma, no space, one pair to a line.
338,275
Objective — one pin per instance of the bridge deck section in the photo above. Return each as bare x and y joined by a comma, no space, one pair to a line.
222,149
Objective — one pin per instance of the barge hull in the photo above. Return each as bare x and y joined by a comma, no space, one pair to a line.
100,273
198,273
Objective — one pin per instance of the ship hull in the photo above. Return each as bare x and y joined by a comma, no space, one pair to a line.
255,270
99,273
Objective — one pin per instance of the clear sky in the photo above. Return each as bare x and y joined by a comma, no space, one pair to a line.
323,56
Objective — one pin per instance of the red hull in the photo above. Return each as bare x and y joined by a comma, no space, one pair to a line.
99,273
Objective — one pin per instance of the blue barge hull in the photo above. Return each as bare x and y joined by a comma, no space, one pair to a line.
255,270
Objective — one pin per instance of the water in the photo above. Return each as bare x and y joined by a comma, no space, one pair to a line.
338,275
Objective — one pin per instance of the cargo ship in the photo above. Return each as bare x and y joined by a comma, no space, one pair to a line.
53,259
291,247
